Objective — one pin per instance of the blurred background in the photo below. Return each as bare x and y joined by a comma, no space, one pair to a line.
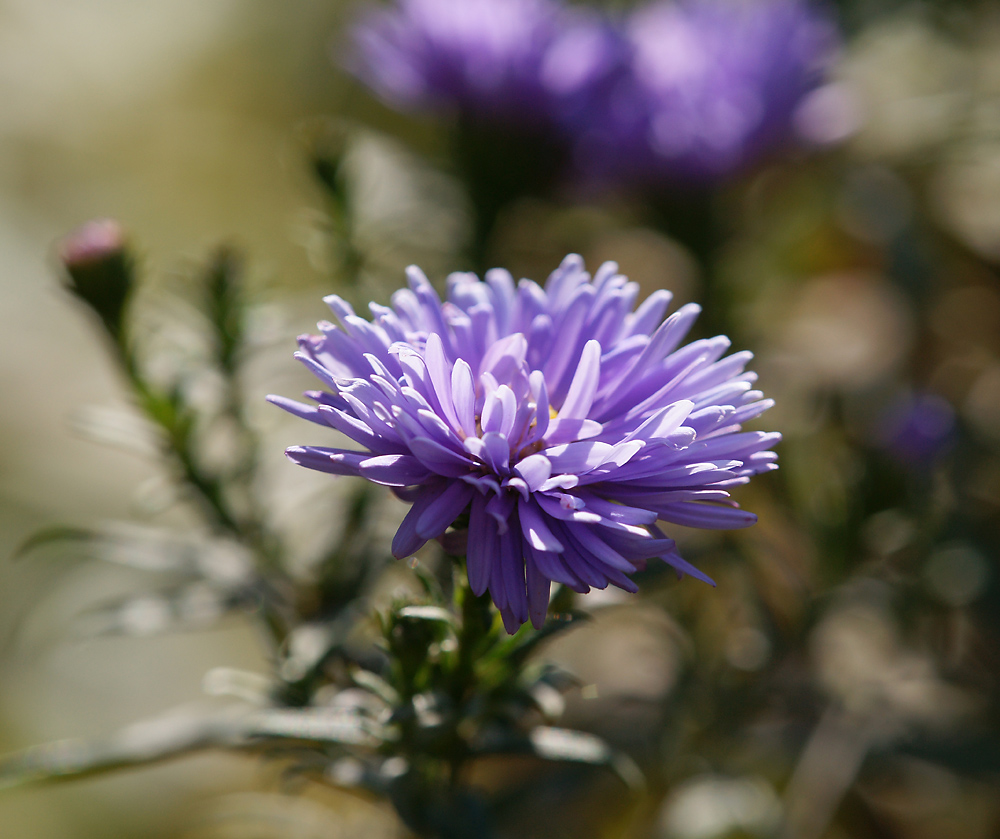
842,681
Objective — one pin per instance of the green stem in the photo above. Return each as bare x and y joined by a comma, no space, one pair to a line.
691,216
249,532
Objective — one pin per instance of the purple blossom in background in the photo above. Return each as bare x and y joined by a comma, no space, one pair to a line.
707,87
684,91
917,429
564,422
481,56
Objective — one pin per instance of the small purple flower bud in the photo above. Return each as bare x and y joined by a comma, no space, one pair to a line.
99,269
92,242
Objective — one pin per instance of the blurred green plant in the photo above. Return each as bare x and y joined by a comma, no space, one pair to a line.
443,684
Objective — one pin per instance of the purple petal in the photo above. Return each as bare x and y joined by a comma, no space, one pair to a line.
588,540
539,587
476,447
512,566
484,484
298,409
565,430
441,512
483,547
583,387
511,623
505,357
398,470
552,565
340,307
683,567
439,371
637,548
664,422
497,452
501,507
334,461
536,531
650,312
439,459
538,387
463,392
576,458
415,374
502,292
706,516
560,511
407,541
427,299
354,428
535,470
318,370
559,482
518,486
618,512
492,416
560,366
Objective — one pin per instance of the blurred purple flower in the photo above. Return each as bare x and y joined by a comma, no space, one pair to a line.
481,56
917,429
707,87
564,422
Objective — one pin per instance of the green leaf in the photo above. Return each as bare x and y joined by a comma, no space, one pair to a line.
175,734
318,725
428,613
221,561
376,684
54,535
189,607
567,746
182,732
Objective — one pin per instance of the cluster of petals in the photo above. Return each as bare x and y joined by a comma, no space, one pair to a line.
558,423
710,85
484,56
676,90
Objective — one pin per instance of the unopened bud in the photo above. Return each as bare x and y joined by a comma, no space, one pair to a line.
99,269
92,242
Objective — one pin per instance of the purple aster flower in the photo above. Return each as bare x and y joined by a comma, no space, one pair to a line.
482,56
707,87
565,422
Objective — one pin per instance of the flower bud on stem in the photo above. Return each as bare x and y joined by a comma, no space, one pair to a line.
100,271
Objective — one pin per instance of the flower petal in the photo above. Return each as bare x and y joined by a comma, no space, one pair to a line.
535,470
583,387
483,546
442,511
398,470
536,531
334,461
706,516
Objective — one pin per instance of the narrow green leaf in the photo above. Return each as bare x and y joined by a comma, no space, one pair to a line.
320,725
567,746
428,613
146,742
53,535
376,684
190,607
